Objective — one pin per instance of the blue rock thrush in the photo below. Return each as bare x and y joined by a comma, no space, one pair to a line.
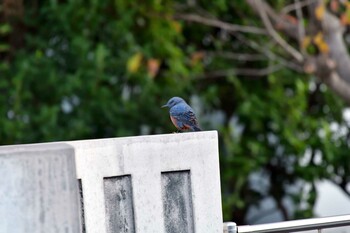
182,115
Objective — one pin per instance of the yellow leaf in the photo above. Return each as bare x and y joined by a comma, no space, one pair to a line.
321,43
306,41
347,5
318,39
319,11
134,62
323,47
347,13
176,25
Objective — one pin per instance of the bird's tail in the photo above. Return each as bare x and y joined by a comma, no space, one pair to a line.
196,128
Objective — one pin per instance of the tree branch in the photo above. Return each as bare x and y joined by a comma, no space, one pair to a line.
342,187
337,78
325,69
296,7
238,56
262,12
301,28
338,85
267,52
290,29
244,72
220,24
333,31
282,208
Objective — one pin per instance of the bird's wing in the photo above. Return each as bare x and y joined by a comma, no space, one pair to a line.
185,115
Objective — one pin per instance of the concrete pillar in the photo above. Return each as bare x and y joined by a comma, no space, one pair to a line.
38,189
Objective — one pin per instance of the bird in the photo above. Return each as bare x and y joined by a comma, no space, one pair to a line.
182,115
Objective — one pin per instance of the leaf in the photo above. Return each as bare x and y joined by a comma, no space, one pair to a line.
101,53
347,14
319,11
318,38
134,62
39,53
306,41
347,4
153,67
4,47
176,25
321,43
5,29
334,5
291,19
323,47
343,19
196,57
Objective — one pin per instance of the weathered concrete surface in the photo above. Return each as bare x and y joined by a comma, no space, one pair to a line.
119,209
38,189
177,202
144,159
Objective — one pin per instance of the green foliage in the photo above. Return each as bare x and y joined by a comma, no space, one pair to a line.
93,69
71,81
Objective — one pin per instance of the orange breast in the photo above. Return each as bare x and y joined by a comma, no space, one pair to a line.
176,125
174,121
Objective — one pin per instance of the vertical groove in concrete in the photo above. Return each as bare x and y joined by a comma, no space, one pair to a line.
177,202
119,204
81,197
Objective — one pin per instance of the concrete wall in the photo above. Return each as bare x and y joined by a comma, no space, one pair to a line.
38,189
150,184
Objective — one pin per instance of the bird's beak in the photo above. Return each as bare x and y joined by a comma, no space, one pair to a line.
165,105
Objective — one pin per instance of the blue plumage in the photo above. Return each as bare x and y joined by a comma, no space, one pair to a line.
182,115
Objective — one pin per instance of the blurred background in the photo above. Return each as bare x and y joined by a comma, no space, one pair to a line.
273,77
